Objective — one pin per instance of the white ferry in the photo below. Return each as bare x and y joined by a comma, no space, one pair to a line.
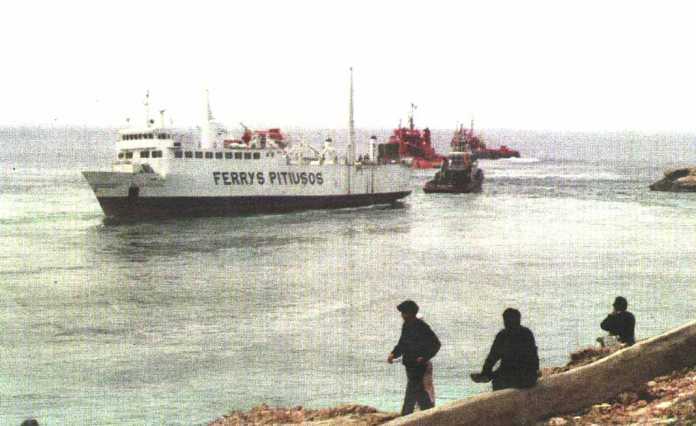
164,172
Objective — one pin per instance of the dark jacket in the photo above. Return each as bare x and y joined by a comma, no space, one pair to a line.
516,350
621,324
417,340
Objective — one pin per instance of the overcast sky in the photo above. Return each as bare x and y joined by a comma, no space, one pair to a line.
586,65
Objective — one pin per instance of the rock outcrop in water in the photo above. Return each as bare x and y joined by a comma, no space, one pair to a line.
677,180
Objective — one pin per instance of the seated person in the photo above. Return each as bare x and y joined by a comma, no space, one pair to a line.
619,323
515,348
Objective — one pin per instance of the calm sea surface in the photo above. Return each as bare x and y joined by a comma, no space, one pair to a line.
180,321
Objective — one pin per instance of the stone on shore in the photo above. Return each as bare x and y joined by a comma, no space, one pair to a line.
669,399
677,180
342,415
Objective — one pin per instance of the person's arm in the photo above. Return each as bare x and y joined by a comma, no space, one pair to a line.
398,349
436,344
629,329
433,343
533,353
609,324
493,356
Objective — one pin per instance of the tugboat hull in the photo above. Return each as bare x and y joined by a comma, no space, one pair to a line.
455,182
443,188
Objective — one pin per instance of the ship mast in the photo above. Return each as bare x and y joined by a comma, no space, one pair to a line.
410,117
350,153
147,109
351,124
207,106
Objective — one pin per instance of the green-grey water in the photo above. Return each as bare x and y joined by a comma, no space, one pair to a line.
180,321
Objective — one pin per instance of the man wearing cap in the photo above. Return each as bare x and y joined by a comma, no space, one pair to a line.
620,322
417,345
515,348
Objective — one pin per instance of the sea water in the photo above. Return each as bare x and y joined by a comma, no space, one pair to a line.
180,321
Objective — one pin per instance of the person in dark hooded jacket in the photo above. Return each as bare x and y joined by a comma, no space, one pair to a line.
417,345
515,348
620,322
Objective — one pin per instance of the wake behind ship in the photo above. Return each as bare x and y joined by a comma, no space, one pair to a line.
161,172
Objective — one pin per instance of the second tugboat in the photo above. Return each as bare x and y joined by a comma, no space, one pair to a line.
478,147
415,146
458,174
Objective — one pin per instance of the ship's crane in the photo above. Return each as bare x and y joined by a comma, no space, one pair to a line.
246,137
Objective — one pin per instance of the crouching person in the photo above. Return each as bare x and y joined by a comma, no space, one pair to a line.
515,348
620,324
417,345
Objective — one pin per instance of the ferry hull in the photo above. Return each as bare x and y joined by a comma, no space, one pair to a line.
222,187
153,207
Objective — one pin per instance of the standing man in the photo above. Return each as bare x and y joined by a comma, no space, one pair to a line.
620,322
417,345
515,348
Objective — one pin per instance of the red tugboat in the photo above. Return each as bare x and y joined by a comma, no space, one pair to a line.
478,147
415,146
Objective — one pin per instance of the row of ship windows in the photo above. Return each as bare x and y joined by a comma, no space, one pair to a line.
145,136
197,154
220,155
143,154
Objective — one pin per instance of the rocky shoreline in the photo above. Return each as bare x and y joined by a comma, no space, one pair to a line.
677,180
669,399
349,414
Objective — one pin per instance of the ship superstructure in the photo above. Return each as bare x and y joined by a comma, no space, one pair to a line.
415,145
166,172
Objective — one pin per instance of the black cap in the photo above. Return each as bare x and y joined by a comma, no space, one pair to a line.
408,307
620,303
